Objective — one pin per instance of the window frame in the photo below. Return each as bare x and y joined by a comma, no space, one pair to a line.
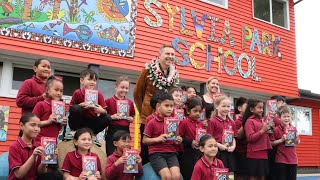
295,123
271,15
216,4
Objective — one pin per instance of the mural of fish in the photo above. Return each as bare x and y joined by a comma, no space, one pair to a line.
83,32
111,33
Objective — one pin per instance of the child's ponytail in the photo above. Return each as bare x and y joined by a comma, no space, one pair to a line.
24,119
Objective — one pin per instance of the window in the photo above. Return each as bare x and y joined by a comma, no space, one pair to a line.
302,119
106,87
71,82
19,75
220,3
273,11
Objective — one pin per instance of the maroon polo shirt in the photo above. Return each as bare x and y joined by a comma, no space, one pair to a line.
19,153
73,163
258,144
217,125
241,143
30,93
112,109
285,154
116,172
203,170
43,110
152,116
79,97
187,128
155,128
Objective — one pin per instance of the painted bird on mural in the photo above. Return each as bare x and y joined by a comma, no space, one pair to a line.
83,32
111,33
43,3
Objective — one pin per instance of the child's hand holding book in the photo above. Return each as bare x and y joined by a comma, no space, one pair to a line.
178,140
162,138
120,161
195,144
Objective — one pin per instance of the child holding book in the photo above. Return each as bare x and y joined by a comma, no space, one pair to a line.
74,166
162,152
176,93
116,162
204,168
121,111
87,106
258,140
285,138
24,154
33,90
223,129
187,130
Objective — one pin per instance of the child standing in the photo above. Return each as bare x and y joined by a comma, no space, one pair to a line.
82,114
162,153
49,125
257,139
286,156
33,90
204,168
187,130
72,164
118,123
222,127
115,162
24,159
176,93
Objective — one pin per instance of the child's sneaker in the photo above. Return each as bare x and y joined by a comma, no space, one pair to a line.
69,136
95,141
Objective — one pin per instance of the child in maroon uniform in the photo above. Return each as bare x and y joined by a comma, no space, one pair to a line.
241,149
176,93
72,164
221,124
204,168
24,159
122,89
258,140
187,130
82,114
162,153
49,125
286,156
33,90
115,162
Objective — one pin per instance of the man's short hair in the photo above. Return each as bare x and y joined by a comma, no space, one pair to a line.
165,46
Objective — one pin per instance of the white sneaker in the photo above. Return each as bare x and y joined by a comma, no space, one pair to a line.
95,141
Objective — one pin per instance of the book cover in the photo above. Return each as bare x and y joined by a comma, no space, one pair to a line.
58,109
123,109
221,174
179,114
89,165
199,133
184,97
202,115
272,107
49,145
291,136
171,127
227,137
131,165
270,121
91,97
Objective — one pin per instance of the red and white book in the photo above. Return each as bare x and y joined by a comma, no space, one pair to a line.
202,115
171,127
58,109
272,107
199,133
291,138
131,165
221,174
227,137
49,145
123,109
89,165
91,97
179,113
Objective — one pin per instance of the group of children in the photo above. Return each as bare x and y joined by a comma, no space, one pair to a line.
182,137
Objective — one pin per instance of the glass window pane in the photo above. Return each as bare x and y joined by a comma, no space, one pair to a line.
279,13
222,3
19,75
106,87
262,9
70,84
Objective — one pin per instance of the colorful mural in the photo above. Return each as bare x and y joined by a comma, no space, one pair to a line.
4,116
106,26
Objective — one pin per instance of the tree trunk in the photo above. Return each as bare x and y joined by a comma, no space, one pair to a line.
56,8
27,10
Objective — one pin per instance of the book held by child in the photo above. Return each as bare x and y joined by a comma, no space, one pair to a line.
91,97
58,109
89,165
131,166
49,145
171,128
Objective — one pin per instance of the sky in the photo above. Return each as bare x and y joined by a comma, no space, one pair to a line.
307,15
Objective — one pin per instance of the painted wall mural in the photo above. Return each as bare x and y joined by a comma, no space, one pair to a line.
4,116
106,26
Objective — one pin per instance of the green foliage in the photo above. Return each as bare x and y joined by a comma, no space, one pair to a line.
35,13
18,7
73,19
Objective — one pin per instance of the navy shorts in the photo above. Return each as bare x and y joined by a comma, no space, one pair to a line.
159,161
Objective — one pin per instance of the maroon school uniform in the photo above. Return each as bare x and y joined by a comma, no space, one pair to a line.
43,110
285,154
111,108
155,128
116,172
30,93
152,116
241,143
73,163
203,170
258,144
216,126
276,121
188,126
79,97
19,153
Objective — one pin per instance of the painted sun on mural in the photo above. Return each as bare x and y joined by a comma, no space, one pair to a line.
106,26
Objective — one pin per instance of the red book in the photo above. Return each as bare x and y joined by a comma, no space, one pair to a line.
179,114
123,109
270,121
89,165
131,165
171,127
227,137
221,174
184,97
58,109
202,115
91,97
272,107
291,136
199,133
49,145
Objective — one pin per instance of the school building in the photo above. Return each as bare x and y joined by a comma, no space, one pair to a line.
249,45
